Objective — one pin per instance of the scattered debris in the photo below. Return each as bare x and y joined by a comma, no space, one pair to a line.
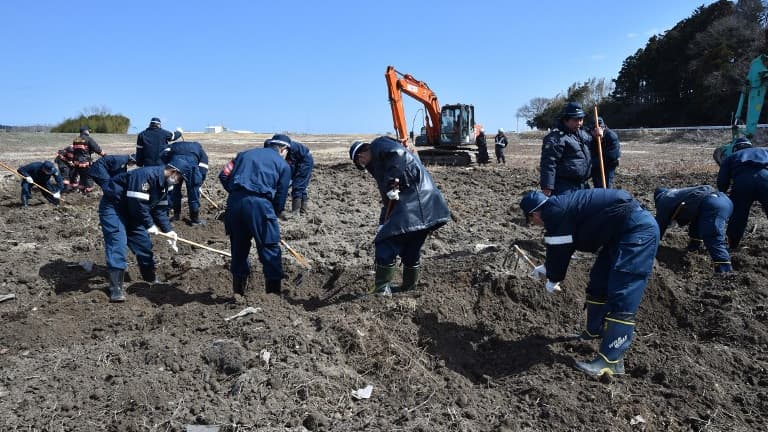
363,393
479,247
244,312
4,297
265,356
637,420
86,265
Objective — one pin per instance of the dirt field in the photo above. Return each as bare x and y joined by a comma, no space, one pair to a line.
480,347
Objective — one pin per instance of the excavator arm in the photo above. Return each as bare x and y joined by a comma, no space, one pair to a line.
398,83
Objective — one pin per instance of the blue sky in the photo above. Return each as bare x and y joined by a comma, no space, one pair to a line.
308,66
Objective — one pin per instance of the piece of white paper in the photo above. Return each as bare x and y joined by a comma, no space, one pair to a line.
244,312
363,393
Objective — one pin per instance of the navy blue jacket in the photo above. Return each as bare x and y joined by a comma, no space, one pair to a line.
300,160
107,167
742,162
151,143
565,155
35,170
687,199
192,150
421,205
140,196
583,220
611,150
259,172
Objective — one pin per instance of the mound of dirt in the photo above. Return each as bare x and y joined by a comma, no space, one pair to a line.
479,347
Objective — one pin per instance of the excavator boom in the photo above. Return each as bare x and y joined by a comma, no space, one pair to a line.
398,83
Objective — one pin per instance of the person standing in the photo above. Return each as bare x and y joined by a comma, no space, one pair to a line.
40,173
301,162
109,166
706,211
152,141
197,158
83,147
501,143
257,181
412,207
745,172
129,211
482,148
566,160
611,151
625,236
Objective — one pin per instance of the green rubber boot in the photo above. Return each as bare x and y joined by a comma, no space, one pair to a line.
382,283
410,278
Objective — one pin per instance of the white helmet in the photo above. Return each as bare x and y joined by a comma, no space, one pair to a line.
501,130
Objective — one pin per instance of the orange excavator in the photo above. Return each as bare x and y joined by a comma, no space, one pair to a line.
447,130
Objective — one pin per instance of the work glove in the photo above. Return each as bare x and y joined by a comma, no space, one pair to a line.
172,240
552,287
394,195
29,179
153,230
57,195
539,272
180,130
378,228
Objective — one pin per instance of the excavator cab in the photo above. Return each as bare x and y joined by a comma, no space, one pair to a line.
457,125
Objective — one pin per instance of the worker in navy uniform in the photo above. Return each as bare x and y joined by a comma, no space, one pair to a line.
412,207
109,166
611,150
257,181
133,206
152,142
566,159
196,157
40,173
83,148
706,211
625,236
745,172
301,162
65,161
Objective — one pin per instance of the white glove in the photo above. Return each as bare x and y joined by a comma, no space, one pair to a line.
180,130
153,230
539,272
172,240
29,180
378,228
57,195
552,287
394,195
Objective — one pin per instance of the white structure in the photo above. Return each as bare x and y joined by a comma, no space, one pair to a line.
214,129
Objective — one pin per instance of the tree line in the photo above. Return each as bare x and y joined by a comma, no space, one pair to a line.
97,119
690,75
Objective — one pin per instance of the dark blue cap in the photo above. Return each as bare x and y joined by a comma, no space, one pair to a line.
572,110
531,201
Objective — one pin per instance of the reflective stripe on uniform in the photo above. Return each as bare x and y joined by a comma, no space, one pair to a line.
558,240
203,165
163,203
138,195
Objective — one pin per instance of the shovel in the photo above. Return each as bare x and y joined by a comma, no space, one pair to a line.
300,260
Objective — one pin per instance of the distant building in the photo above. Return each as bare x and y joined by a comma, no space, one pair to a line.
214,129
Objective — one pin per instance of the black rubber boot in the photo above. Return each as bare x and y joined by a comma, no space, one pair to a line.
600,366
24,201
304,205
116,285
382,283
148,274
176,214
239,284
273,286
296,206
410,278
194,218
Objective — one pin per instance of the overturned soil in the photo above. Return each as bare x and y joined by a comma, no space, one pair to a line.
479,347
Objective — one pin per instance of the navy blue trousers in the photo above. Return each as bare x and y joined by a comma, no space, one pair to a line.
407,246
119,232
747,189
714,212
252,217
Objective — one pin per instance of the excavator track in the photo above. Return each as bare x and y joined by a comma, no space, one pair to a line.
445,157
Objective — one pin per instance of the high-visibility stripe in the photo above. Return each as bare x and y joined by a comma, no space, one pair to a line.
609,361
163,202
138,195
203,165
139,147
620,321
559,240
595,302
722,262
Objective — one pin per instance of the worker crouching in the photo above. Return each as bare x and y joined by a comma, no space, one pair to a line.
625,236
412,208
40,173
705,211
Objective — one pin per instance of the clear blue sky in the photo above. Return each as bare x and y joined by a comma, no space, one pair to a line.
307,66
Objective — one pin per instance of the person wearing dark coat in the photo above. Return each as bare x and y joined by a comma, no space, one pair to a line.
482,148
133,206
83,148
624,235
566,159
109,166
745,172
500,143
301,162
412,207
40,173
257,181
65,161
152,142
196,157
705,211
611,150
